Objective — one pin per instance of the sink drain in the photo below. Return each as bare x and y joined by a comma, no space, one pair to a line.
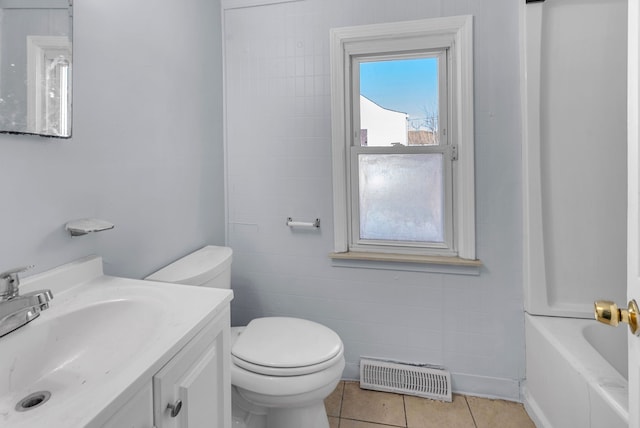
32,401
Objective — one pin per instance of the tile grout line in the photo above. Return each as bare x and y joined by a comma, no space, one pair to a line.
373,423
404,407
470,411
344,386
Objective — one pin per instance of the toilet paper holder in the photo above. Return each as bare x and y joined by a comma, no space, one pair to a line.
315,224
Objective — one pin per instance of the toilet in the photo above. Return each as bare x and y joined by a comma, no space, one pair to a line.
282,368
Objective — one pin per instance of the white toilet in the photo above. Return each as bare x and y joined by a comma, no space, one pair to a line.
282,368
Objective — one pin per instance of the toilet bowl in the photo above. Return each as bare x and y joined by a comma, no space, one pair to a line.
282,368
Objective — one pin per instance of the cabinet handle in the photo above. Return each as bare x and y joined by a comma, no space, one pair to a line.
175,408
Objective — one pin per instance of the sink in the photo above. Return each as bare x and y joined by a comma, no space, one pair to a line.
94,347
63,352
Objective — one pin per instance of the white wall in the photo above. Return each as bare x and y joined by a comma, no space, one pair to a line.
279,165
146,152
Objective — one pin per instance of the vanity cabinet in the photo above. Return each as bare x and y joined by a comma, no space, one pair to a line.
192,390
137,413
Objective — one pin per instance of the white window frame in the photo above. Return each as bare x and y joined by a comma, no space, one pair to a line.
453,35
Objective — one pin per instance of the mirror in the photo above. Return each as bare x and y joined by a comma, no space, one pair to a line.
35,67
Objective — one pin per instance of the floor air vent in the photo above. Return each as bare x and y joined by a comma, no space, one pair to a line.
407,379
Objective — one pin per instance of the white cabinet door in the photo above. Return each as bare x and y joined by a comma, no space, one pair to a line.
198,390
192,389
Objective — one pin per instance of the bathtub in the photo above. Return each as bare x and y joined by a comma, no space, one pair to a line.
576,373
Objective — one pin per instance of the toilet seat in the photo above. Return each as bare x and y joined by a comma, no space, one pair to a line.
289,371
283,346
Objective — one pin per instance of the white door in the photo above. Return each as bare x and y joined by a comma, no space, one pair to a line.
633,220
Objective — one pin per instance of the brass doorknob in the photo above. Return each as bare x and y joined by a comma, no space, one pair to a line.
607,312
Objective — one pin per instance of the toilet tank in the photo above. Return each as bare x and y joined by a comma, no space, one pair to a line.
208,267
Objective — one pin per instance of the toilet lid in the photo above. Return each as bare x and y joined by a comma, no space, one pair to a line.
281,346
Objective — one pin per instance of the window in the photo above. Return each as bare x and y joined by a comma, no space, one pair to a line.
402,115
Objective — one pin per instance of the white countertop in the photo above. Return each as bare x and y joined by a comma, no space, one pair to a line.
133,327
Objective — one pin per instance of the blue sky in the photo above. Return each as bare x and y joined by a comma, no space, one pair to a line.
407,85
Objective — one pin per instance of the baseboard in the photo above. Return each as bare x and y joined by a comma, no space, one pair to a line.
483,386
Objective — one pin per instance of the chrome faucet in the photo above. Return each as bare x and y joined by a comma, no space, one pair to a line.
15,309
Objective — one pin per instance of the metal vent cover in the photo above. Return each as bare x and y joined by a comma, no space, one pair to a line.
403,378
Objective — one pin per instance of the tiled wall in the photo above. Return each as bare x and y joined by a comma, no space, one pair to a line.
278,147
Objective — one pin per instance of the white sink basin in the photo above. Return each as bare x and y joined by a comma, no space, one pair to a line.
92,345
64,351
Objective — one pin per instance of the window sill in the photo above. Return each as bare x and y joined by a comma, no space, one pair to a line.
406,262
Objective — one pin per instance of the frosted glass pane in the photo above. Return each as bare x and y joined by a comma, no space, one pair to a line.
401,197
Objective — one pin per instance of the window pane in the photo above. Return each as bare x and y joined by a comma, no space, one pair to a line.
401,197
399,102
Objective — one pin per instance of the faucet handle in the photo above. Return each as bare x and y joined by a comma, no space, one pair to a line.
10,281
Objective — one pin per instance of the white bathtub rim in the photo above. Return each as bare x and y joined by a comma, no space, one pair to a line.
600,376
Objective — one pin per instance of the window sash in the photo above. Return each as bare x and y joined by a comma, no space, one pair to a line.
356,243
441,54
